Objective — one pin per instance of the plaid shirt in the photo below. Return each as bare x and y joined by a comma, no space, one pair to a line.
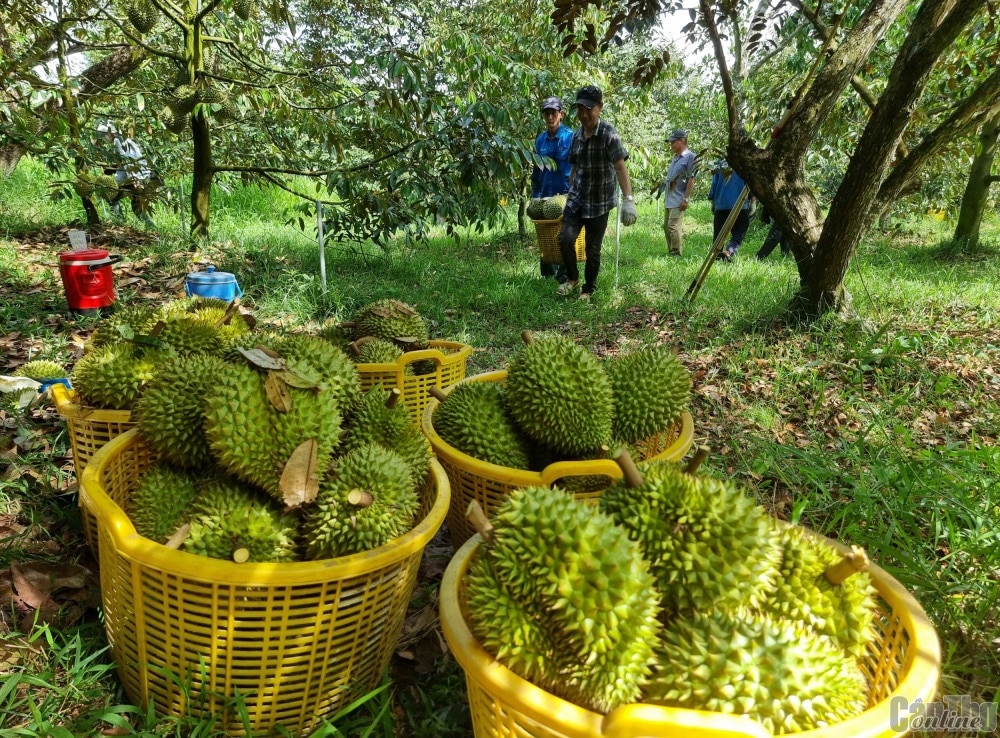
593,189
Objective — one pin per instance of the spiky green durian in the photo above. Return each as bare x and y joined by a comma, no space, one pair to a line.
106,186
187,335
337,333
254,440
40,369
390,319
843,611
389,424
708,544
321,360
122,325
560,395
377,351
651,389
552,207
185,97
474,418
161,501
173,119
534,208
244,8
777,672
563,598
142,14
229,516
84,184
171,408
369,499
234,330
113,376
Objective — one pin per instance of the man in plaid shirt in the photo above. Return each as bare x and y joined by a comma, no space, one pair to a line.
598,159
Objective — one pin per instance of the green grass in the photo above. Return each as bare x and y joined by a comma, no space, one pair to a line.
880,431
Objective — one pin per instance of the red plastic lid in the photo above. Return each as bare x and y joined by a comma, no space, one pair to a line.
84,255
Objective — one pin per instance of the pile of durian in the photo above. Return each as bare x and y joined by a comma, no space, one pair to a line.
676,590
560,402
382,332
269,450
546,208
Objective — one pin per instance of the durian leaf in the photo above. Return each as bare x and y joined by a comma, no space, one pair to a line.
295,378
299,481
262,360
277,392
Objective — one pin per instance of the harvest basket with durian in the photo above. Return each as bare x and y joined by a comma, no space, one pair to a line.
675,590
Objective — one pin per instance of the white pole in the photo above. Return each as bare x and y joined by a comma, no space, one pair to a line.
618,236
322,244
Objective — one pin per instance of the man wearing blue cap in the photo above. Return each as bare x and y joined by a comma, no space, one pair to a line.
598,159
552,143
677,190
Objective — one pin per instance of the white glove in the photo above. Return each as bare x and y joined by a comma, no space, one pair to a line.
629,216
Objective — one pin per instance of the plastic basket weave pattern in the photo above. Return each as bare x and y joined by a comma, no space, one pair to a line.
547,233
89,429
490,484
450,358
903,660
295,640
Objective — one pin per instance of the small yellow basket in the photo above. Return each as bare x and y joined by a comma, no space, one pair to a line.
904,660
294,641
547,233
89,429
450,358
490,484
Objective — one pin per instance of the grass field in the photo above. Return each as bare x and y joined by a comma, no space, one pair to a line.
880,432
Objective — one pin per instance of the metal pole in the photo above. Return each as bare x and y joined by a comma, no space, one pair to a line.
322,243
706,267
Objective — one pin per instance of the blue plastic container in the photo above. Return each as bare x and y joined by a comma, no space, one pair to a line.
210,283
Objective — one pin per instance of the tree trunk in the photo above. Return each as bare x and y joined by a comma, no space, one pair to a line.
970,217
201,184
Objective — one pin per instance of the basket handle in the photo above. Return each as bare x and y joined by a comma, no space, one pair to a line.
657,721
559,469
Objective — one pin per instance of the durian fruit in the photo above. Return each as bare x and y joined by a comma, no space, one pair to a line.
185,97
142,14
233,521
339,334
775,671
560,396
534,209
254,439
708,544
244,9
114,376
552,207
234,330
122,325
380,418
170,411
843,611
161,501
376,351
651,390
84,184
368,500
564,599
474,419
324,362
173,120
106,186
40,369
186,335
391,319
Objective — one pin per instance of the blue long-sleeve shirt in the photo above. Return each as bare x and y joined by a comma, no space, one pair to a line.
548,182
724,192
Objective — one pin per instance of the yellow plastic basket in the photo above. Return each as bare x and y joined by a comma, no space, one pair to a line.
490,484
450,358
295,641
547,233
903,660
89,429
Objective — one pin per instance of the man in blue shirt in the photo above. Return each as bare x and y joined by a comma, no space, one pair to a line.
598,159
723,193
677,190
552,143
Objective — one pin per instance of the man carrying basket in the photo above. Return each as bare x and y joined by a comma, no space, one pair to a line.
552,143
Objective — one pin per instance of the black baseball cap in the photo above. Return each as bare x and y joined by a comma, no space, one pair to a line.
552,103
590,96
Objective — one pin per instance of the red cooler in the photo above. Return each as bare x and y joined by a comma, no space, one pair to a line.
88,280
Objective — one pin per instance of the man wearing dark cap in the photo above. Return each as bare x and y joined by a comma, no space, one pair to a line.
552,143
598,159
677,189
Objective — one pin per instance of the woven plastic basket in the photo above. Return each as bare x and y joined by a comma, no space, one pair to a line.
89,429
903,660
294,640
490,484
450,358
547,233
